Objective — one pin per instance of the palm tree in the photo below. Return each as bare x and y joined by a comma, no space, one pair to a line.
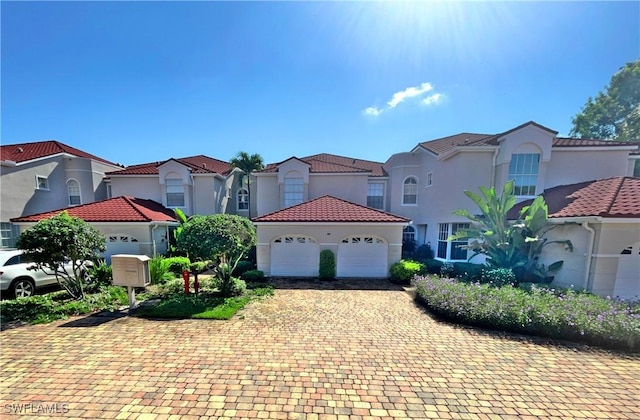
247,164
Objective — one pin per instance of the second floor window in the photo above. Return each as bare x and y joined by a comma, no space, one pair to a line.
73,189
42,183
293,191
523,169
243,199
410,191
175,192
375,196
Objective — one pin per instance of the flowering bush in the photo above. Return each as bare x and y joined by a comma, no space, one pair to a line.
565,314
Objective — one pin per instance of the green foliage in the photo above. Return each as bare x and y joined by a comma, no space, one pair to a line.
433,266
423,253
254,276
199,266
404,270
327,269
100,275
566,315
38,309
222,238
247,164
468,271
510,245
498,277
159,270
242,267
448,270
233,287
63,240
615,113
178,264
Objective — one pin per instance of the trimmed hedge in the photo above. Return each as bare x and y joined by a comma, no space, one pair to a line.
403,271
327,269
178,264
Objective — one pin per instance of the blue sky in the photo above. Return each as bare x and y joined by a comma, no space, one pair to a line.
135,82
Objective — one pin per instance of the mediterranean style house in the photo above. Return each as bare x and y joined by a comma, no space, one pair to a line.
46,175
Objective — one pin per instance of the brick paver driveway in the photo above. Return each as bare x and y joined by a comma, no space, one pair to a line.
308,353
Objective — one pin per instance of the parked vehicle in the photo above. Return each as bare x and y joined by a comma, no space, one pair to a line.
16,279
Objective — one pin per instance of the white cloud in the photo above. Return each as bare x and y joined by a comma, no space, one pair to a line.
409,92
434,99
372,111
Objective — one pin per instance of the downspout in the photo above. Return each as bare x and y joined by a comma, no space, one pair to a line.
153,238
592,236
493,166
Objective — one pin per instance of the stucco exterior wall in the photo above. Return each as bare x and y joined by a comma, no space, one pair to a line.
348,187
147,187
573,271
573,166
328,237
267,194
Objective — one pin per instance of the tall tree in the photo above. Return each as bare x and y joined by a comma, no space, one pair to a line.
615,112
247,164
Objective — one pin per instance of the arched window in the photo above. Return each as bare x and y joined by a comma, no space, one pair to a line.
410,191
73,191
293,189
409,234
243,199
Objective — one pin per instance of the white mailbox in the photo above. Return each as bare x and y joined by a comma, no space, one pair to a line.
130,270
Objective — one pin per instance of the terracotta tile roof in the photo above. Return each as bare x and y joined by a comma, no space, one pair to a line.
327,163
117,209
23,152
445,144
330,209
197,164
617,197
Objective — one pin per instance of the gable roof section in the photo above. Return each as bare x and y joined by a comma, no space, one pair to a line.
327,163
329,209
23,152
117,209
446,144
617,197
199,164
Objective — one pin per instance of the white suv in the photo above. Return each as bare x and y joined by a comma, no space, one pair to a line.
16,279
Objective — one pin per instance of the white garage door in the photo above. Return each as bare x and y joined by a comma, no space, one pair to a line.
295,256
362,256
628,276
121,244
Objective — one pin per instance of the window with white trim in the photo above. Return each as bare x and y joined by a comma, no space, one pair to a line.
175,192
450,250
8,234
42,182
73,191
109,194
243,199
375,195
523,169
429,179
293,191
409,234
410,191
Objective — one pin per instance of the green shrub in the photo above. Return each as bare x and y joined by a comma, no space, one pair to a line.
499,277
423,253
448,270
404,270
254,276
468,271
199,266
100,275
242,267
234,287
566,315
433,266
178,264
327,265
159,270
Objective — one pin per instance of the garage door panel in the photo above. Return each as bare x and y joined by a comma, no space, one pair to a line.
362,256
295,256
121,244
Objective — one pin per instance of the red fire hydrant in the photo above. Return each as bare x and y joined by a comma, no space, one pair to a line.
185,276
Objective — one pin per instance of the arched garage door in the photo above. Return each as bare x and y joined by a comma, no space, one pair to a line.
295,256
627,278
362,256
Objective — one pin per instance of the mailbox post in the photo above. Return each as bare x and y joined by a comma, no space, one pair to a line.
131,271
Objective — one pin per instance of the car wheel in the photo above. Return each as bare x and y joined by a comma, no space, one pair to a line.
23,287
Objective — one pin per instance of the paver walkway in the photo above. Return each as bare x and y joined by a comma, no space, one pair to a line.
308,353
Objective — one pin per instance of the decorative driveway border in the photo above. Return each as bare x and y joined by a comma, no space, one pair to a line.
340,350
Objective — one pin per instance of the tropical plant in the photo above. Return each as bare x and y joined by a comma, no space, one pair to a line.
518,245
159,270
59,242
247,164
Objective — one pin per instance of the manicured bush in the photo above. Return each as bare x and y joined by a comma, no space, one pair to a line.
242,267
468,271
448,270
433,266
254,276
178,264
423,253
564,315
327,269
159,270
234,287
403,271
499,277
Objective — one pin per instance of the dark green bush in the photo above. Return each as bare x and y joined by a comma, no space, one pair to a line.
403,271
254,276
178,264
433,266
468,271
499,277
242,267
100,275
448,270
199,266
234,287
327,265
408,248
423,253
